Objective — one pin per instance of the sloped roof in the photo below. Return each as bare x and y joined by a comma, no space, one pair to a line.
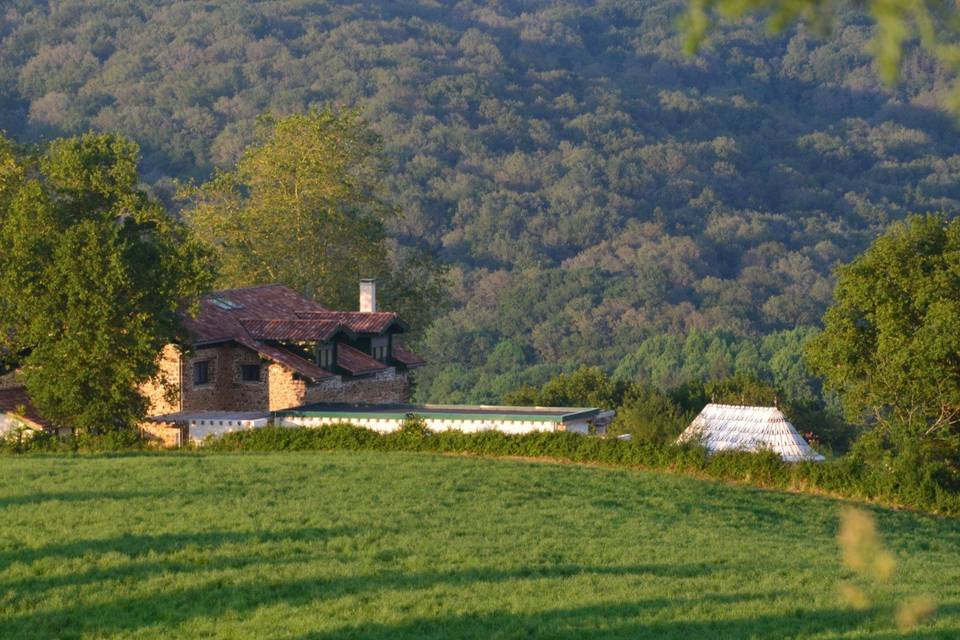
224,314
724,427
357,362
407,358
362,322
221,312
254,315
292,329
13,399
290,360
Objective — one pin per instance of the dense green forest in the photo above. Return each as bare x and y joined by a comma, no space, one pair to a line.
602,199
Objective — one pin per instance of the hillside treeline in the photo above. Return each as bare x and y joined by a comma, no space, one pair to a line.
603,199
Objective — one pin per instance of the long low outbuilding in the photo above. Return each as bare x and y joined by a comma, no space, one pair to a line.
467,418
176,429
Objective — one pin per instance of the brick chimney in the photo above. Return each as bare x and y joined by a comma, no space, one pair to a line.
368,295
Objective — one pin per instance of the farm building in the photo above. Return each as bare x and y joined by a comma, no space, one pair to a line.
466,418
724,427
16,411
176,429
268,348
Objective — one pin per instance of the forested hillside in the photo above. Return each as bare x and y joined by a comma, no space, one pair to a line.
602,198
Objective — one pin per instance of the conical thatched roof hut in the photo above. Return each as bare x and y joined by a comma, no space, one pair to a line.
726,427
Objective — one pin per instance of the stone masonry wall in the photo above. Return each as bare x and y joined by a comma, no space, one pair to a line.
164,391
249,396
226,390
278,388
286,389
163,434
387,387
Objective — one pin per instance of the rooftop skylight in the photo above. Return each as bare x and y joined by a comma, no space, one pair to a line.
226,304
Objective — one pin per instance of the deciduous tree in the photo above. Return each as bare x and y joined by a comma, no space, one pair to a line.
92,275
935,24
891,340
304,206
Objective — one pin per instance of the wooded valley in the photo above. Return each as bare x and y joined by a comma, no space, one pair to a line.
601,198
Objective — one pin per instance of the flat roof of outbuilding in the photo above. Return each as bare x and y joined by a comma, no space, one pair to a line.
454,412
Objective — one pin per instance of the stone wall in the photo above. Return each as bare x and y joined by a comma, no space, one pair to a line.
162,434
226,390
286,388
278,388
249,396
387,387
163,392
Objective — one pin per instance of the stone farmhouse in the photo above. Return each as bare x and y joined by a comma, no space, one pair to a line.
267,348
267,355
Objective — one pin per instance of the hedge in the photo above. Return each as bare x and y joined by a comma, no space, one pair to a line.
842,477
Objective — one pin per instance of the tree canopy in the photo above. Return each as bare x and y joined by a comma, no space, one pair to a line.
891,340
304,206
934,23
601,196
92,275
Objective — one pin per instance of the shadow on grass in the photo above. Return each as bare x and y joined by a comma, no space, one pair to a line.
622,620
140,555
627,620
223,595
77,496
140,545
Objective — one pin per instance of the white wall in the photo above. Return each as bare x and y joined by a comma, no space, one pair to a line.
385,425
200,429
10,423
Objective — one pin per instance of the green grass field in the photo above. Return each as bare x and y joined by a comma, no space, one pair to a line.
346,545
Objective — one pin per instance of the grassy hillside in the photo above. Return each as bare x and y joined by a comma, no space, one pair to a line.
602,198
340,545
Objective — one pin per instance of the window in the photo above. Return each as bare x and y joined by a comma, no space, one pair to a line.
325,355
250,372
225,304
379,348
201,373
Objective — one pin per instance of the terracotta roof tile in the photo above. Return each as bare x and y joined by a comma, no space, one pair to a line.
221,311
13,399
407,358
376,322
223,314
291,329
291,360
357,362
253,315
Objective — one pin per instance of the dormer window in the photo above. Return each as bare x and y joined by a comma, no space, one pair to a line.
380,348
325,355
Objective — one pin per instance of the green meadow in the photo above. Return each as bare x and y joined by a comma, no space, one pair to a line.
317,546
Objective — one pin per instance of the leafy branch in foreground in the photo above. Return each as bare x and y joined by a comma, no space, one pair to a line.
872,567
934,24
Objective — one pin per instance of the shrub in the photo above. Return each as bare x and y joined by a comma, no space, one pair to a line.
118,440
649,415
849,476
872,471
24,440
